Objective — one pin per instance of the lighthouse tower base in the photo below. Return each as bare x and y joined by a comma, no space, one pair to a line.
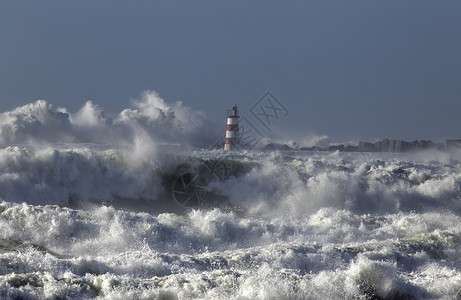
229,147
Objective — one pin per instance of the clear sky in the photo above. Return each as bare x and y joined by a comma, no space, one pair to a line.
346,69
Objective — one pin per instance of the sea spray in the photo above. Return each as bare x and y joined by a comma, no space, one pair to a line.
308,225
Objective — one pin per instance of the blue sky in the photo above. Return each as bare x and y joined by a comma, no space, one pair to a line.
350,70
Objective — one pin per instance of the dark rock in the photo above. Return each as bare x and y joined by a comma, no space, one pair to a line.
273,146
269,147
315,148
384,145
336,148
285,147
365,147
350,148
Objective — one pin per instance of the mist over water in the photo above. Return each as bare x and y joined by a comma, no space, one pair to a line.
87,211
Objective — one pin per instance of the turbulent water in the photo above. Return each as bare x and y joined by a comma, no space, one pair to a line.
83,221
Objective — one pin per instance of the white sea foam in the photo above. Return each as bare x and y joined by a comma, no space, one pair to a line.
80,219
55,252
39,123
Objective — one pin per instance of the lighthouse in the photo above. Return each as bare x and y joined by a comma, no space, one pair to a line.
232,131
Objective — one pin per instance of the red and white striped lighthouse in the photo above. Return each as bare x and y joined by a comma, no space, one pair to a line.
232,131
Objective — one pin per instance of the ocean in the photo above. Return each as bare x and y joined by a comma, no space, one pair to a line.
85,220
